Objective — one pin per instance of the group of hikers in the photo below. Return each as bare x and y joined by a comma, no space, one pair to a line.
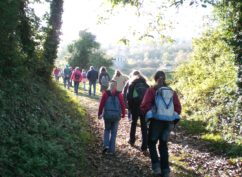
78,76
157,107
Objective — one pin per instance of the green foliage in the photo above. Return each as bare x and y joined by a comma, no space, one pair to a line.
207,85
53,36
132,2
194,127
85,52
219,144
42,132
99,59
21,36
11,55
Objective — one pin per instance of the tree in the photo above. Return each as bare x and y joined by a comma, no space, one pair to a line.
16,40
230,14
99,59
85,52
53,37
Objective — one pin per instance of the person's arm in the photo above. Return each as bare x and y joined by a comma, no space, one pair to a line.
96,75
99,78
129,96
80,77
121,100
72,75
102,103
177,104
125,89
147,101
88,75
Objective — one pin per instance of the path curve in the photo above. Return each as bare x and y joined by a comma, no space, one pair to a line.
131,162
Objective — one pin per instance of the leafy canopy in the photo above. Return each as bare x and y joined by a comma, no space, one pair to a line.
85,52
207,83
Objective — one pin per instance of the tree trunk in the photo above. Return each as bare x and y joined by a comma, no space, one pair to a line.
53,37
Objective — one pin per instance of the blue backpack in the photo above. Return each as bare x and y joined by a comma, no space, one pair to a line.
112,108
164,107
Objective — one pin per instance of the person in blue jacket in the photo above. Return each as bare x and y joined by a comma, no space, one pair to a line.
92,76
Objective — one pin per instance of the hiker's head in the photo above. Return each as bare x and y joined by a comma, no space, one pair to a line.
135,73
160,78
112,85
91,67
77,68
117,73
103,69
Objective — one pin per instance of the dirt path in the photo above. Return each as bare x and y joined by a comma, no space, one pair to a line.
130,162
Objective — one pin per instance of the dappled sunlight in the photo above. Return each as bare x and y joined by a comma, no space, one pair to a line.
128,161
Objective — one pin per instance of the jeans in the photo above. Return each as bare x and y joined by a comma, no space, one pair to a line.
129,115
143,130
67,82
56,78
84,86
159,130
110,134
92,84
76,85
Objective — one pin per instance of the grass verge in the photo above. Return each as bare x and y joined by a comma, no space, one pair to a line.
43,131
216,141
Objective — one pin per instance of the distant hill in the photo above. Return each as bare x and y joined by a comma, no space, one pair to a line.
151,57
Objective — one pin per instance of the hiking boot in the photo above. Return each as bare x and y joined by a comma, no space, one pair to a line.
105,150
143,148
156,171
165,174
110,153
131,143
145,153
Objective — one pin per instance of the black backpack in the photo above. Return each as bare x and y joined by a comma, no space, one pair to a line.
77,76
139,91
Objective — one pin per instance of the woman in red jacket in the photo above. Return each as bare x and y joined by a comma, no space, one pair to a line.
161,104
111,109
76,76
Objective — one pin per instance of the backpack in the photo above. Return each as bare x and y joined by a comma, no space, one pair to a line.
77,76
139,91
104,80
67,72
164,107
112,108
84,74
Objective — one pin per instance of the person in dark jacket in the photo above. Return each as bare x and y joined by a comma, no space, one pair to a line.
159,129
67,76
92,76
103,79
137,85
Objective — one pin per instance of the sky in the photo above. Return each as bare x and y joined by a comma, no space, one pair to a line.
84,14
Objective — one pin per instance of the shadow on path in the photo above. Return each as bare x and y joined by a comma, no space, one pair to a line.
194,129
128,161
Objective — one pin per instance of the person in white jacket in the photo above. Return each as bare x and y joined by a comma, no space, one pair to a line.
121,80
